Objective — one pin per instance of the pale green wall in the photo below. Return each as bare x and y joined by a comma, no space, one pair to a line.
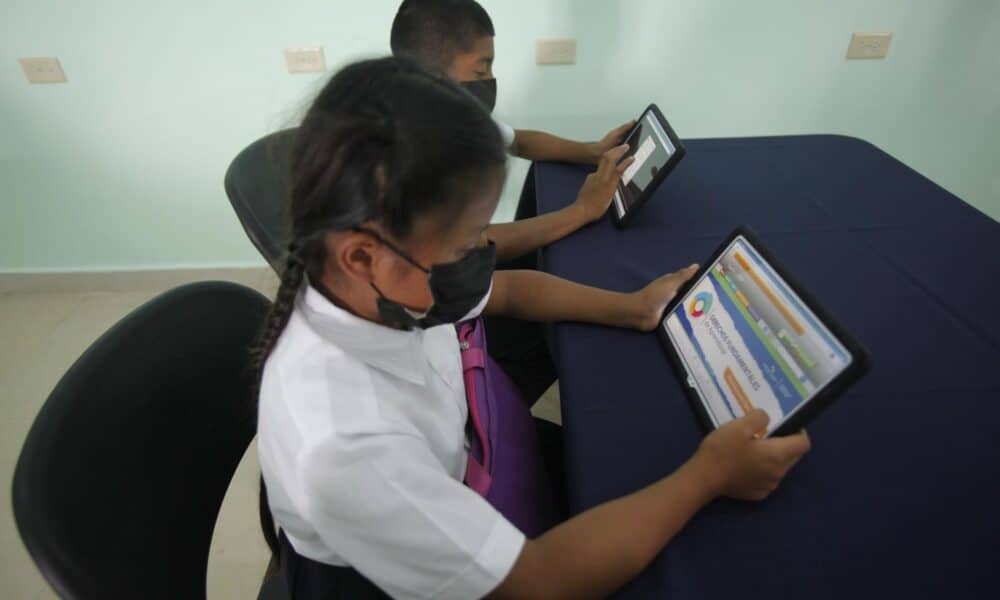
122,167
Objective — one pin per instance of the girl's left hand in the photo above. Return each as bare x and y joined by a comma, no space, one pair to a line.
651,300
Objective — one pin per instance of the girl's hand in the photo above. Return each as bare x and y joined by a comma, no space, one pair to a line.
735,462
650,301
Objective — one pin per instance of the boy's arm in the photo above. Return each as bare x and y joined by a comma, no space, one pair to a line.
536,296
521,237
538,145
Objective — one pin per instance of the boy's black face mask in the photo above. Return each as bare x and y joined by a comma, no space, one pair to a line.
485,90
457,288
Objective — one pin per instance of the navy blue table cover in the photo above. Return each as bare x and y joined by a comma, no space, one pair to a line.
900,497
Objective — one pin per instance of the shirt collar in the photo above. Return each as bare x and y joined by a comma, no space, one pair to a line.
399,353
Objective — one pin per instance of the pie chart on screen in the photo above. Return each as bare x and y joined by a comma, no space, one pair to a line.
701,304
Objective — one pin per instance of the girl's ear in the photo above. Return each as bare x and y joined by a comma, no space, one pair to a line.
354,254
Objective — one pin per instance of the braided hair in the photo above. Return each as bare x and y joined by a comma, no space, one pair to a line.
385,142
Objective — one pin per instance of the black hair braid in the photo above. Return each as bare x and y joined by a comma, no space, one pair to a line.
267,526
281,310
277,318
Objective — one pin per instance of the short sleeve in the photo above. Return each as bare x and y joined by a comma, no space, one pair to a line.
507,133
387,506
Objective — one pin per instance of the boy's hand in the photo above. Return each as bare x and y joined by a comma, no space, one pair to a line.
650,301
614,137
597,191
735,462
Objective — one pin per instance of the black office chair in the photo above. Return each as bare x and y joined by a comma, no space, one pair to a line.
257,186
122,475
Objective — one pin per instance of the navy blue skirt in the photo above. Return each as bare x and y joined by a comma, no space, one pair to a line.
308,579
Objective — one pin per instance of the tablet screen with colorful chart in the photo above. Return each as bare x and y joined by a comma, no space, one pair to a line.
748,341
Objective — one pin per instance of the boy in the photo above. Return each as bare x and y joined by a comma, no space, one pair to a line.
455,37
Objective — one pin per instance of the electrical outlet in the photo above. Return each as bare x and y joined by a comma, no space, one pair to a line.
869,45
305,60
43,69
555,52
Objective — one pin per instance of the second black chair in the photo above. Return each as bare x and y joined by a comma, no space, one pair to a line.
257,186
122,475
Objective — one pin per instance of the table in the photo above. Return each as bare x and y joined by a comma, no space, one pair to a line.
900,497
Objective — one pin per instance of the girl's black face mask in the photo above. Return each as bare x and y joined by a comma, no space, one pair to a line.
485,90
457,288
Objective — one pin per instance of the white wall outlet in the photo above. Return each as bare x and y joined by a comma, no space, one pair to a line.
305,60
555,52
869,45
43,69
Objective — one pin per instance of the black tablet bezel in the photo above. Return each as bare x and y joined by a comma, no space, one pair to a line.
861,359
678,154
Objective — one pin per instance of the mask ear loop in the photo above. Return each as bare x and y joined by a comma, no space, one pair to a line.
395,249
402,320
394,314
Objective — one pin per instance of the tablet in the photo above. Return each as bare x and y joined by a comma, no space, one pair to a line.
657,150
743,335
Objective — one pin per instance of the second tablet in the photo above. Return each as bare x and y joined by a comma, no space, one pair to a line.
657,150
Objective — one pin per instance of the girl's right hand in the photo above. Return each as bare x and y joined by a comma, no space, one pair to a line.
740,465
596,552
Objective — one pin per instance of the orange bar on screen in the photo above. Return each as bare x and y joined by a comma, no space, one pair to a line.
741,396
737,389
770,295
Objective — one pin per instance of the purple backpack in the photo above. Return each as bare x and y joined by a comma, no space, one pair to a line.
505,461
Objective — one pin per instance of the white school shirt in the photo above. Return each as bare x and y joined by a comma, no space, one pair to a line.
507,133
362,446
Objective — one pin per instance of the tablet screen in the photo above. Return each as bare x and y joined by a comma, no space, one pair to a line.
747,341
651,147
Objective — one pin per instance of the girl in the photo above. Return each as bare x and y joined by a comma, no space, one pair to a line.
362,407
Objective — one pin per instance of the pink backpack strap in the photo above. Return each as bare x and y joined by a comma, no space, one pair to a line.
477,477
505,463
477,470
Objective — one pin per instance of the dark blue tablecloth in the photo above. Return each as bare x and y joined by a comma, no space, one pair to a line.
900,497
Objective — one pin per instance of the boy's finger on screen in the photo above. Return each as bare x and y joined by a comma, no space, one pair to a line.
610,159
625,164
618,152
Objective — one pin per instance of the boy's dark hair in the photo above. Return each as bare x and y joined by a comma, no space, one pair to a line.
433,31
387,142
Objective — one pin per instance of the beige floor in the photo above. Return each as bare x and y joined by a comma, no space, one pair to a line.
41,334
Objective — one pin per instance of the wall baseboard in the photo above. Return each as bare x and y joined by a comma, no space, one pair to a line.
260,278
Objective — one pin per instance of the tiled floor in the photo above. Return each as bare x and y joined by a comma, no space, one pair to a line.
41,334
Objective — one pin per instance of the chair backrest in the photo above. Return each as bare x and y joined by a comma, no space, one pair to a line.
120,480
257,185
